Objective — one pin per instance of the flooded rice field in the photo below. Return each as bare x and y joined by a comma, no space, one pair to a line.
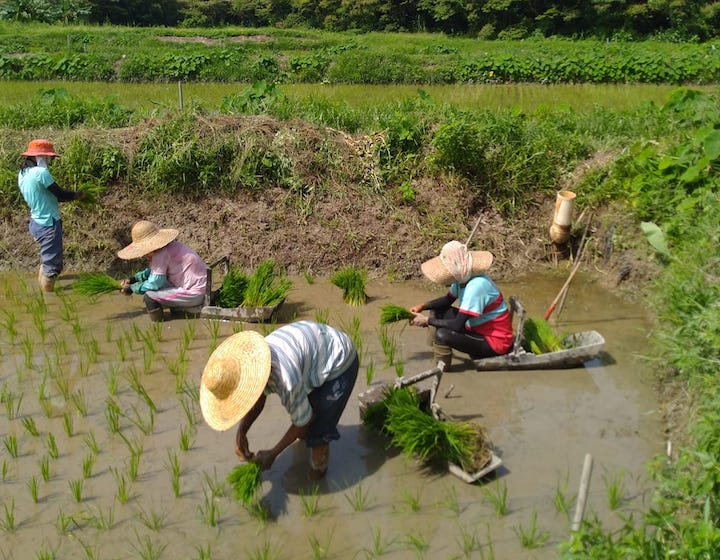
105,455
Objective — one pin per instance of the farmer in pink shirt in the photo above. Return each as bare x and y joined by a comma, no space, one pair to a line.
176,276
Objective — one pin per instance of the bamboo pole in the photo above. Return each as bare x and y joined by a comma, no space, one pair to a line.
582,492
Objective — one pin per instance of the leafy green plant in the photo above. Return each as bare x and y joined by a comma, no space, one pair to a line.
393,313
245,481
265,287
93,284
540,337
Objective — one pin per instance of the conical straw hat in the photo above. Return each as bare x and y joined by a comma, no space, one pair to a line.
234,378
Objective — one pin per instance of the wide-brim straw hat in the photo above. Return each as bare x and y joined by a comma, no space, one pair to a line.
146,237
234,378
435,270
40,147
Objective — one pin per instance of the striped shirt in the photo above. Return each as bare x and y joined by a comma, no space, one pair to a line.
305,355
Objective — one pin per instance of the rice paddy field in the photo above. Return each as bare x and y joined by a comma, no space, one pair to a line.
105,455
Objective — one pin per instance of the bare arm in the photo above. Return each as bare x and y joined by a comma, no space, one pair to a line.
242,448
266,458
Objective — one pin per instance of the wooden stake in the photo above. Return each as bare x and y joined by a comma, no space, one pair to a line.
472,233
582,492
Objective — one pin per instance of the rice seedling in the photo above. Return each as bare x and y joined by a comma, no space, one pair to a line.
40,326
76,488
213,326
108,331
62,384
203,553
95,284
388,343
393,313
44,554
12,407
232,291
7,523
4,470
614,489
11,445
468,540
90,552
264,551
68,424
145,424
188,334
88,464
358,498
209,509
112,416
310,502
63,522
266,286
399,368
412,500
416,543
153,520
80,402
214,484
111,379
245,481
318,549
539,336
322,316
531,537
121,346
561,499
451,501
188,406
352,281
102,520
9,323
92,349
147,548
370,372
172,466
121,486
27,346
32,485
91,443
497,496
186,437
44,464
379,545
136,450
52,446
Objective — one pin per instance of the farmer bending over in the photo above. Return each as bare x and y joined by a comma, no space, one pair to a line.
311,366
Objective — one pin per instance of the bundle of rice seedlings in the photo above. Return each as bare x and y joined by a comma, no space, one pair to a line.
92,192
93,284
351,281
245,481
266,287
376,413
539,337
232,291
393,313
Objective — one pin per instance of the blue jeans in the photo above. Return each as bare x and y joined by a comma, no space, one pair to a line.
328,403
50,239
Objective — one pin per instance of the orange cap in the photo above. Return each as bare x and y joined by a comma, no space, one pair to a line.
40,147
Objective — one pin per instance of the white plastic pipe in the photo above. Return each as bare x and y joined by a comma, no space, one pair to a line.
562,219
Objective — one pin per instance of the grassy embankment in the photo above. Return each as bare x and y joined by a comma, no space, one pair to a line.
666,175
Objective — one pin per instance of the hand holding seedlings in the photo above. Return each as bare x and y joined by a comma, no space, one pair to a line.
419,320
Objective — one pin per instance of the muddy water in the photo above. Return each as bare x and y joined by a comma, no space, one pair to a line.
63,358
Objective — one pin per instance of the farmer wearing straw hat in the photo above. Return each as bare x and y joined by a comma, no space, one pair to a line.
480,325
176,276
311,366
42,195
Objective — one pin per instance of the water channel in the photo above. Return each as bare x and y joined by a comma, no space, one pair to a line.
137,473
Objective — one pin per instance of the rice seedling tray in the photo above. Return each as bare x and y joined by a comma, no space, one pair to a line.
247,314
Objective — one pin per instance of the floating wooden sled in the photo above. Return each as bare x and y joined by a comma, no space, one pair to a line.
246,314
426,398
578,348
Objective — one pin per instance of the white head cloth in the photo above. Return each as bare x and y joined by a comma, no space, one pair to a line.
458,260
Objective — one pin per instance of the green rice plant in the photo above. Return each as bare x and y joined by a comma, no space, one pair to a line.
40,325
121,486
52,446
266,286
4,470
263,551
203,553
102,519
188,406
416,543
352,281
9,323
111,379
76,488
68,424
92,349
322,316
369,372
468,540
561,499
90,551
539,336
94,284
28,347
310,502
112,416
393,313
231,293
614,489
186,437
319,550
145,424
379,545
358,498
32,484
213,327
121,345
412,500
259,511
497,496
80,402
63,522
7,523
44,463
91,442
153,520
451,501
531,537
88,464
148,548
12,406
245,481
209,509
108,331
28,423
172,466
136,450
44,554
388,343
214,484
399,367
11,445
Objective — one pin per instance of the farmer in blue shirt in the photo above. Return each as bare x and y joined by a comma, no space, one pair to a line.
42,195
311,366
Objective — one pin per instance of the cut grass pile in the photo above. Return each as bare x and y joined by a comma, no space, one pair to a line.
245,481
393,313
93,284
